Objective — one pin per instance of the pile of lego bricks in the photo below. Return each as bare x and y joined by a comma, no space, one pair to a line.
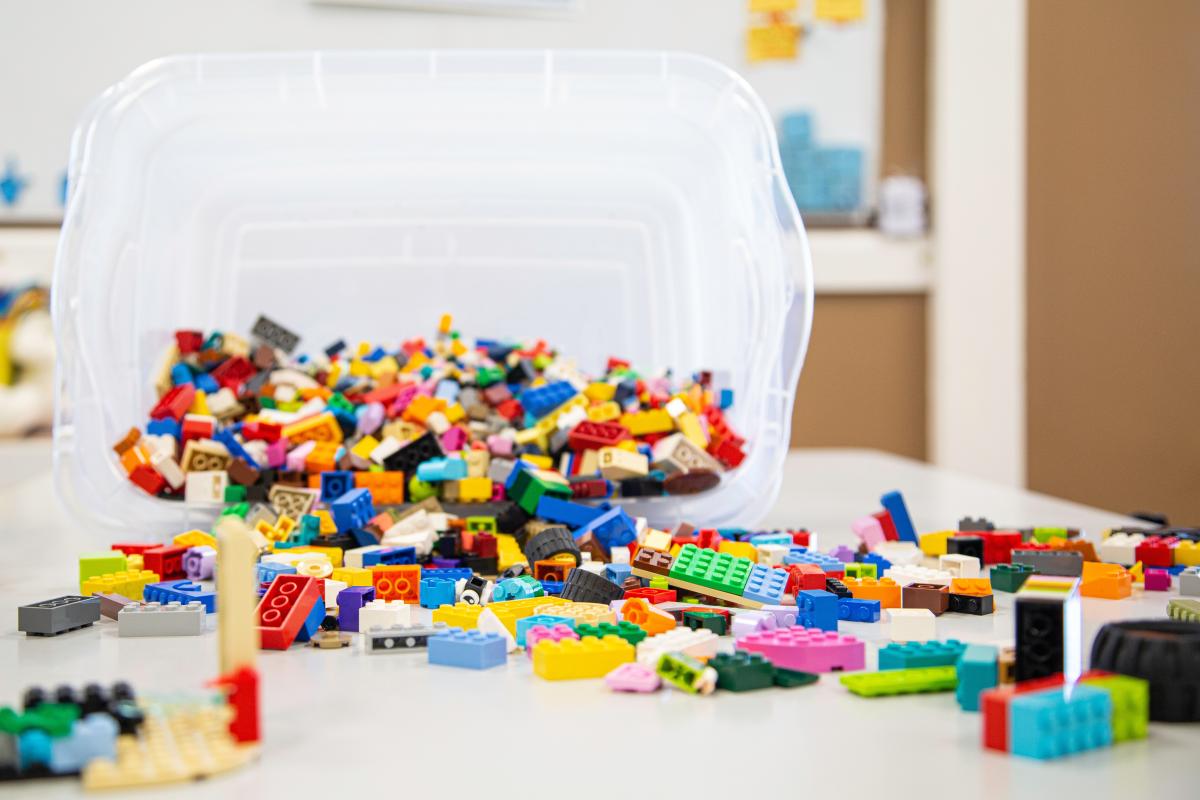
696,610
240,419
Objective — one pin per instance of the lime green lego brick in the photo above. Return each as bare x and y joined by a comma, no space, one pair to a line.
624,629
1044,535
861,570
686,673
712,570
659,582
93,564
1184,608
902,681
1130,705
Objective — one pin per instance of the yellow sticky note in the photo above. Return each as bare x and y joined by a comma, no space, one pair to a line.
839,10
772,6
777,42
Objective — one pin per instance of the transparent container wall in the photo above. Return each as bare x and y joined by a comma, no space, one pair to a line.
627,204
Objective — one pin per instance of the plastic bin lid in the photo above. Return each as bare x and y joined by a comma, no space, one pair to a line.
612,203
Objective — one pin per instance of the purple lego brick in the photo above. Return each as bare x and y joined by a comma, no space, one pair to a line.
349,602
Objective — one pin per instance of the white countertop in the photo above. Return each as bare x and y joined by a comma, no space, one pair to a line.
338,721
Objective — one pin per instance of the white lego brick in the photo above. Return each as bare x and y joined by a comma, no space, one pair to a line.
748,622
169,468
1119,548
912,624
416,530
899,552
384,449
354,556
675,407
257,449
156,619
619,555
383,614
570,418
909,573
224,403
595,567
959,566
488,622
771,554
332,588
699,643
205,488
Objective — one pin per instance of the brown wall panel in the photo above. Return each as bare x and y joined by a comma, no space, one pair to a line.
863,383
1114,254
904,86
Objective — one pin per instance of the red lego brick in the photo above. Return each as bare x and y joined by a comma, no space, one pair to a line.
802,577
197,428
175,403
484,545
266,431
233,372
727,451
397,582
801,538
596,487
997,545
188,341
719,428
1156,551
134,548
709,538
284,608
148,478
510,409
889,527
588,435
241,694
165,560
652,596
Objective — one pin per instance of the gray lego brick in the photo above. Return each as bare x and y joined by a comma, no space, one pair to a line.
1189,582
1051,562
401,638
62,614
155,619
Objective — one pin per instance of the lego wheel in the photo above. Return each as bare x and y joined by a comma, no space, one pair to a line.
587,587
1165,653
549,543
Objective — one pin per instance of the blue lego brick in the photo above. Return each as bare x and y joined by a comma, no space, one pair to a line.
518,467
553,588
978,670
802,555
782,538
335,484
516,589
852,609
765,585
447,468
207,383
541,400
1047,724
437,592
882,565
226,437
183,591
617,573
312,622
34,749
160,427
573,515
472,649
390,556
267,571
549,620
893,503
448,573
914,655
93,736
736,534
181,373
354,509
349,602
612,529
817,608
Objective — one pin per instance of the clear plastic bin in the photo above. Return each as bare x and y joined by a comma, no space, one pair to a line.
613,203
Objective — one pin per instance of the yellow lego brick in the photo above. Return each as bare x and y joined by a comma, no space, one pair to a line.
572,659
1187,554
934,544
604,412
457,347
364,447
474,490
508,552
333,554
353,576
386,367
599,392
653,420
195,539
455,413
134,562
335,374
657,540
129,583
742,549
322,427
460,615
477,463
593,613
416,361
200,404
173,745
690,426
328,526
541,462
509,611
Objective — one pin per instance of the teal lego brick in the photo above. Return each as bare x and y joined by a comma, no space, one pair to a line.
913,655
712,570
978,669
1046,725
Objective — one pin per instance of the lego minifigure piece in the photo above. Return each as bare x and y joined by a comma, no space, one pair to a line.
156,619
912,624
60,615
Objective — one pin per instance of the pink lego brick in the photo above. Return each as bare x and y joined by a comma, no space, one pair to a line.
277,453
296,458
807,649
454,439
1157,580
539,632
869,530
500,445
633,677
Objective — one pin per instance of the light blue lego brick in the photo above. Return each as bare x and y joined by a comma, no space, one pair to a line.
450,468
802,555
765,585
34,748
437,592
817,608
617,573
515,589
1047,724
914,655
779,537
183,591
853,609
447,390
549,620
268,571
978,670
472,649
893,503
94,736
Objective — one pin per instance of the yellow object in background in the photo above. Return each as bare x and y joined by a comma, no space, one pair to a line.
772,6
839,10
774,42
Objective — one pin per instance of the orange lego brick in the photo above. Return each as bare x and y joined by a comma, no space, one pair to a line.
387,488
1107,581
885,590
397,582
323,457
322,427
974,587
422,406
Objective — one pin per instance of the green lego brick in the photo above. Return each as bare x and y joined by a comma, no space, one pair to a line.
1010,577
861,570
790,678
712,570
901,681
1184,608
235,493
742,672
238,509
54,718
686,673
624,629
1044,535
659,582
527,489
707,620
1130,705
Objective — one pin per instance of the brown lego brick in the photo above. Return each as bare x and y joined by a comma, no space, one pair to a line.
932,596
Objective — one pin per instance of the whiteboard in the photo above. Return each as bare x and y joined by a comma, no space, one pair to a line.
58,55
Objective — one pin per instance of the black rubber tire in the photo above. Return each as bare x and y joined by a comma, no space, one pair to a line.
587,587
1165,653
551,542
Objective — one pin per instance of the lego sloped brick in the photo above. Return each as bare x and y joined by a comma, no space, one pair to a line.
472,649
1049,724
570,659
459,615
743,672
901,681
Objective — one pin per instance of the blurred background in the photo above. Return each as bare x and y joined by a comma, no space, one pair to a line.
1001,198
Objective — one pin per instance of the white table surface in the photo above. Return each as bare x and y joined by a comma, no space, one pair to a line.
338,721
